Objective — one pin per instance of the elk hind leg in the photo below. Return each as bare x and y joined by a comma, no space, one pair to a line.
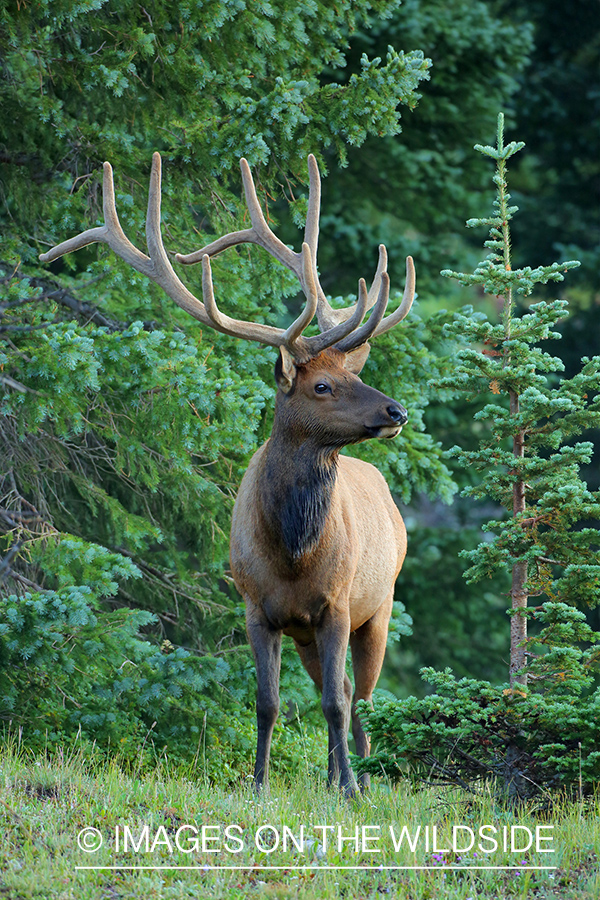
309,656
368,649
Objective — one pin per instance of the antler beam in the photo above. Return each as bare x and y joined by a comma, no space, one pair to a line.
341,328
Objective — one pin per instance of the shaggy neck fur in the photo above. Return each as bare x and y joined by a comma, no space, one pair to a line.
297,486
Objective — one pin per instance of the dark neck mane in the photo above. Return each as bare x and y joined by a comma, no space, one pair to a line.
296,489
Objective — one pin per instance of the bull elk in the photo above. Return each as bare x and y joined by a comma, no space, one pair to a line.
316,539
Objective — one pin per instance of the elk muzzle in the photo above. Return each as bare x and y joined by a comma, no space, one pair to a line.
392,418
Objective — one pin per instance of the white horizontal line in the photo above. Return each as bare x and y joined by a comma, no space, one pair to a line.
203,868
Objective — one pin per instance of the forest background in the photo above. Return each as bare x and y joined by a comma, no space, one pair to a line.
125,427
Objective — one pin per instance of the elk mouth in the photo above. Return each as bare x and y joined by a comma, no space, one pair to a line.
383,431
390,431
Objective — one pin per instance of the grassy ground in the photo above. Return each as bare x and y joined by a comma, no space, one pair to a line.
45,805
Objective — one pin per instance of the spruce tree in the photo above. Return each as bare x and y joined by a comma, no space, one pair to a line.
545,541
529,479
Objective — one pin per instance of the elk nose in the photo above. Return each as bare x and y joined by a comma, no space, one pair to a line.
397,414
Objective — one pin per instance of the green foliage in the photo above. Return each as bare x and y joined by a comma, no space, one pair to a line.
116,85
456,625
470,730
73,671
555,183
495,273
50,639
528,462
408,192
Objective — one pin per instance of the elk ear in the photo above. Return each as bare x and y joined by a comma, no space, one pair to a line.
285,370
355,359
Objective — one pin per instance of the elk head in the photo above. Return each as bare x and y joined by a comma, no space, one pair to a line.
324,400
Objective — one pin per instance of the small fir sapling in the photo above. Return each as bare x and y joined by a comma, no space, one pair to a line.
542,729
528,479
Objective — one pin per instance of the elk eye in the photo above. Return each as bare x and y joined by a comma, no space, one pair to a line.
322,388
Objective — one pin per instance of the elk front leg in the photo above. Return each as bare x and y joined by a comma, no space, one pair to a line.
332,643
266,647
368,649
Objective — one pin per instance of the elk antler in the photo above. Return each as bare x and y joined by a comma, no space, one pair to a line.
338,327
341,328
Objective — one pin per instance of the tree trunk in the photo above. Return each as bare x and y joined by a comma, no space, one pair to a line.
518,625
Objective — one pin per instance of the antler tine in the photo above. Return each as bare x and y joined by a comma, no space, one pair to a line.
329,317
362,334
311,231
381,268
162,270
337,332
334,324
341,328
407,301
154,241
251,331
294,332
157,266
303,264
376,324
256,331
260,234
110,233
